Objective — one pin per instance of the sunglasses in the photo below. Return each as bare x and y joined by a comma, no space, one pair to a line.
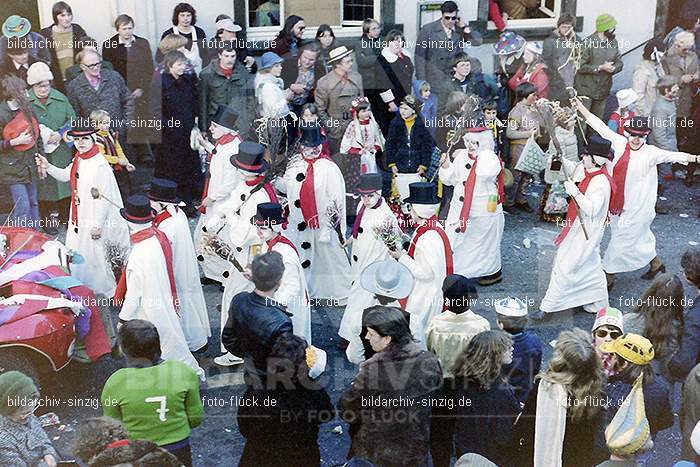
603,333
450,18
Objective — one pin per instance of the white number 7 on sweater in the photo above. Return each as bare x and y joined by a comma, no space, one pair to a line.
163,400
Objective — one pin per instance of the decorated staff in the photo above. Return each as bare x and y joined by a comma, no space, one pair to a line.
147,288
293,292
171,220
475,220
577,275
368,246
632,244
313,184
94,223
221,180
429,258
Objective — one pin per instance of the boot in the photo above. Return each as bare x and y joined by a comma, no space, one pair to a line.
655,267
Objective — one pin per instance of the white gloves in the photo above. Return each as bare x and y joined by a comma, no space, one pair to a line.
571,188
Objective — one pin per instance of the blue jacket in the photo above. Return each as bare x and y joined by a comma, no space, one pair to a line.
254,323
656,404
408,153
689,353
429,109
527,360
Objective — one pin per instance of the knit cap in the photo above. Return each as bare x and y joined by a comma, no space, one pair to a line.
14,386
605,22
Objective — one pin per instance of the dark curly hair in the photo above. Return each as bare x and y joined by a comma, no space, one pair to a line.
286,364
690,262
94,434
184,8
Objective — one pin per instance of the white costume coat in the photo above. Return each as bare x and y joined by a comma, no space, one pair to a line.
577,275
477,252
193,308
223,178
326,266
294,293
148,297
95,272
632,244
366,249
429,269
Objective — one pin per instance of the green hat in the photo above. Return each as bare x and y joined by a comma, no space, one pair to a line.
605,22
16,26
14,386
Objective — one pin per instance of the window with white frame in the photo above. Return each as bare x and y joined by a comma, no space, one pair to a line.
529,14
269,15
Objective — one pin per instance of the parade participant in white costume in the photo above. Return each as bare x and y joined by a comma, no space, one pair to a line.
235,213
171,220
222,178
577,275
475,220
94,220
315,189
147,287
429,258
632,243
367,248
293,292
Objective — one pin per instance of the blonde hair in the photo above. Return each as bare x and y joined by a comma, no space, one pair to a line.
576,366
99,115
684,40
171,42
482,360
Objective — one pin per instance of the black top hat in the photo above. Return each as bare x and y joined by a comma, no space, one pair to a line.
137,210
268,214
250,157
81,130
225,116
598,146
369,183
638,126
422,193
311,136
163,190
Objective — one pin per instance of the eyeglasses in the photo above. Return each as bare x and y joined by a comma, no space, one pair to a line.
450,18
42,85
92,66
603,333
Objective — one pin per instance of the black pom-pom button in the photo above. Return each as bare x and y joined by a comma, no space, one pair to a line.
306,245
468,166
360,230
239,249
306,264
243,197
406,245
77,175
297,203
204,228
75,229
200,258
225,274
354,258
461,198
300,177
301,226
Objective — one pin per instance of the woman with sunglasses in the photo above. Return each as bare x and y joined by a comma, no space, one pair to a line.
659,317
608,326
22,439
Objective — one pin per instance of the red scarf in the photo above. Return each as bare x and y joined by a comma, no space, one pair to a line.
307,196
225,72
358,219
431,224
621,121
281,239
469,186
573,210
267,187
227,138
138,237
163,215
619,177
95,150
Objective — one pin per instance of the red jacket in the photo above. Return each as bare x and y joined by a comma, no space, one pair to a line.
538,77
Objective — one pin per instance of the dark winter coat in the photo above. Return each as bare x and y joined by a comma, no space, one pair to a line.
79,35
254,323
15,166
689,354
527,360
174,103
582,438
138,453
8,68
237,92
690,412
400,435
475,84
396,76
485,425
434,53
408,153
38,46
656,403
112,95
135,65
556,54
595,52
285,433
366,54
213,46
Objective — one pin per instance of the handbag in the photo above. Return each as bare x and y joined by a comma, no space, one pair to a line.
532,159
